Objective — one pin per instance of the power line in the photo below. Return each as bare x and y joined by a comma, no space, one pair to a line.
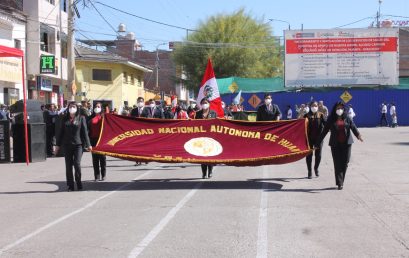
103,17
143,18
366,18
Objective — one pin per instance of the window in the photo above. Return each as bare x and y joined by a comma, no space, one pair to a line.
47,38
101,75
64,45
125,77
63,5
17,43
132,80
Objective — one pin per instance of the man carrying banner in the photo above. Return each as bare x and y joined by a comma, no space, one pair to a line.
153,111
140,105
268,111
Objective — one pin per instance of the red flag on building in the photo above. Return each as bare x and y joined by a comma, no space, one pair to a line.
210,90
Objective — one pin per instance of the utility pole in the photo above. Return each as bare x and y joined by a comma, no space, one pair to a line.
61,70
378,15
71,54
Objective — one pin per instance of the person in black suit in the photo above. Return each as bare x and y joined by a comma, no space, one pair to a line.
49,118
316,123
206,113
140,105
340,140
268,111
153,111
73,135
227,113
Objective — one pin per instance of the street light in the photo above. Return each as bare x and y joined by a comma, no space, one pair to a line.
378,15
289,26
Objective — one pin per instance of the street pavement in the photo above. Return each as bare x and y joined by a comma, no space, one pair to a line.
167,210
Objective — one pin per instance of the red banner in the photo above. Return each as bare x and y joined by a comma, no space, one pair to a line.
209,141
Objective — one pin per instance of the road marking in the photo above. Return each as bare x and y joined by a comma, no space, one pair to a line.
262,247
57,221
162,224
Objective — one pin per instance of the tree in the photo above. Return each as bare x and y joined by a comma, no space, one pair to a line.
238,45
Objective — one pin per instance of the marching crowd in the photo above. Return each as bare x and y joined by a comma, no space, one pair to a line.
79,127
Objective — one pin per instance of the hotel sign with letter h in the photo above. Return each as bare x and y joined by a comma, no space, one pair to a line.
47,64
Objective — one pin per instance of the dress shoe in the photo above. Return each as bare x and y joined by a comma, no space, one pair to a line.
340,187
102,179
210,174
317,173
70,189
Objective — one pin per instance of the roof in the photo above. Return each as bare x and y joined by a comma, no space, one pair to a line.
88,54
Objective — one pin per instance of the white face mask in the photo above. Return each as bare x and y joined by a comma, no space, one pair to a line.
97,110
340,112
141,104
267,101
152,105
205,106
314,109
73,110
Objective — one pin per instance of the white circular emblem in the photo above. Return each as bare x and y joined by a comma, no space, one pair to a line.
203,146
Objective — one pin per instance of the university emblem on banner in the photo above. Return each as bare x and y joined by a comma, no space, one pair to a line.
346,97
203,146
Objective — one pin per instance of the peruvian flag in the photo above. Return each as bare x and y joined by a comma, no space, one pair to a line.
210,90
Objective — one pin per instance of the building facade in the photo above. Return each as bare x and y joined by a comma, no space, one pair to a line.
46,36
12,34
108,78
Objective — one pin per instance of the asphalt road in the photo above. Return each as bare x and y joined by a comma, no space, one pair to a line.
167,210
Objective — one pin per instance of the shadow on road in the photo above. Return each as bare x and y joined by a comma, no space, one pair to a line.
400,143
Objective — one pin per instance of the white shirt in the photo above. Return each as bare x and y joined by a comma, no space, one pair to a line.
289,114
384,109
351,113
392,110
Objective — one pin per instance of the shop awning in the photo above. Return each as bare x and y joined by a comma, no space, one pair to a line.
10,52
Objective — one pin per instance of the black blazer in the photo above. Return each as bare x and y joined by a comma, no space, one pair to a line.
135,112
157,112
263,114
319,120
199,114
332,126
74,133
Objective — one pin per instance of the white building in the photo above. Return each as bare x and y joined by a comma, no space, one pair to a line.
44,37
13,35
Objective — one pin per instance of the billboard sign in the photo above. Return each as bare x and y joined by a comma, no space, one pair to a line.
47,64
336,57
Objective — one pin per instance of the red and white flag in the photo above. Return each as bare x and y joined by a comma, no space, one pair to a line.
210,90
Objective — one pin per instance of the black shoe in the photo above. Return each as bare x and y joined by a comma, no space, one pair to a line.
204,176
340,187
70,189
210,174
102,179
317,173
309,175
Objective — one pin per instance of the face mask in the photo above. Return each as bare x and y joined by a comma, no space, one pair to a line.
340,112
267,101
205,106
314,109
97,110
152,105
141,104
73,110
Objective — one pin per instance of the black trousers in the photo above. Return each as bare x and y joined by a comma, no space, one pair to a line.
341,153
49,134
99,162
317,154
384,118
207,169
73,155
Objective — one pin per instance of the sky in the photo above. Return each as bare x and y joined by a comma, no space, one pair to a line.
312,14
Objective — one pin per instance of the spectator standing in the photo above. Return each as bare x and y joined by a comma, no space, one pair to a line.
153,111
351,113
384,111
392,112
50,116
289,113
227,113
73,135
323,109
268,111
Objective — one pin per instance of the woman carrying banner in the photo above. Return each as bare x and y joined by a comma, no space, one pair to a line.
206,113
340,140
73,135
316,123
95,125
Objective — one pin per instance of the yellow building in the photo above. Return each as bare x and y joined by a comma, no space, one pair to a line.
105,77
